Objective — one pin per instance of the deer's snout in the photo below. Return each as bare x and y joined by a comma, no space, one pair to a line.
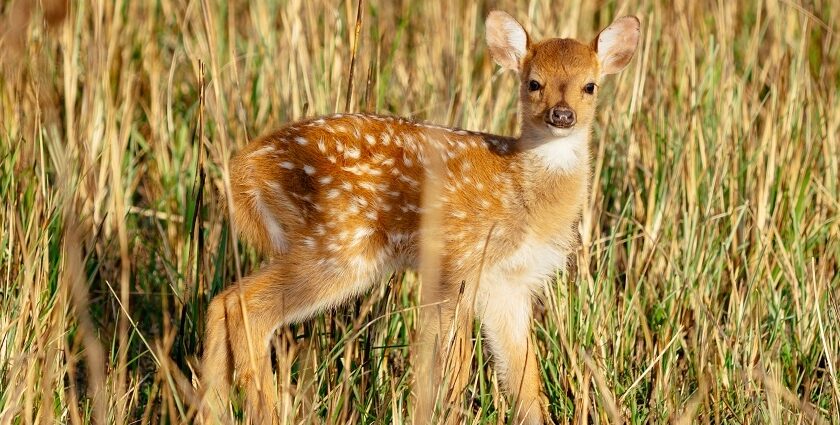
561,116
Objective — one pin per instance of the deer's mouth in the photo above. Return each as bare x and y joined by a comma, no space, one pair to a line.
559,131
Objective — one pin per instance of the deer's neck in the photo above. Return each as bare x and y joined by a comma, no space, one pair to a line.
555,182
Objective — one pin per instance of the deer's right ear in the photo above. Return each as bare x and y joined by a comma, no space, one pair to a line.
507,40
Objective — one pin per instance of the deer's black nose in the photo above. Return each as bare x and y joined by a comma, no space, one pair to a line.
561,116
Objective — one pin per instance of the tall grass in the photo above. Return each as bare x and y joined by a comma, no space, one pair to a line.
707,286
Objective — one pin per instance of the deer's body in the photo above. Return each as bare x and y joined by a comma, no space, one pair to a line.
337,202
346,190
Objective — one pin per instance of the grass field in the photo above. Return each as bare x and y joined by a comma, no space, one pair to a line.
707,288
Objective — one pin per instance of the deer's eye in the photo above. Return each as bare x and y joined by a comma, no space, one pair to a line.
533,85
589,88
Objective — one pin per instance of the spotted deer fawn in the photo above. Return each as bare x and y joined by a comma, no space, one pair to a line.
337,202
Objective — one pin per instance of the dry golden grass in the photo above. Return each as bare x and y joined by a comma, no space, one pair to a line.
707,287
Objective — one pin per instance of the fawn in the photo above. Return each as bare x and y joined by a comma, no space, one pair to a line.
336,203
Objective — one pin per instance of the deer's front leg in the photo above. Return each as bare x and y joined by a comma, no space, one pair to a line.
505,314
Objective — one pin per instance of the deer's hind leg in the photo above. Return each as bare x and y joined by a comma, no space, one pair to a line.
216,363
239,327
245,316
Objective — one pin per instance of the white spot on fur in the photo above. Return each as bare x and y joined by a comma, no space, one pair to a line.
301,141
361,169
354,169
326,180
360,201
287,165
409,180
362,233
309,170
368,186
267,149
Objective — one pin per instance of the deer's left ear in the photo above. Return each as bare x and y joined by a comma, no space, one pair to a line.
616,44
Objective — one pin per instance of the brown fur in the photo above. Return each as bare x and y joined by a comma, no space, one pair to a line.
336,203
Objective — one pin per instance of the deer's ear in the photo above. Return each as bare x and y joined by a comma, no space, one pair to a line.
616,44
507,40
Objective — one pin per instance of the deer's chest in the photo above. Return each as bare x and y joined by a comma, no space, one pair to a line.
533,260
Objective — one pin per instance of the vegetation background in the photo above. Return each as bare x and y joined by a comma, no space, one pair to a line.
707,288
